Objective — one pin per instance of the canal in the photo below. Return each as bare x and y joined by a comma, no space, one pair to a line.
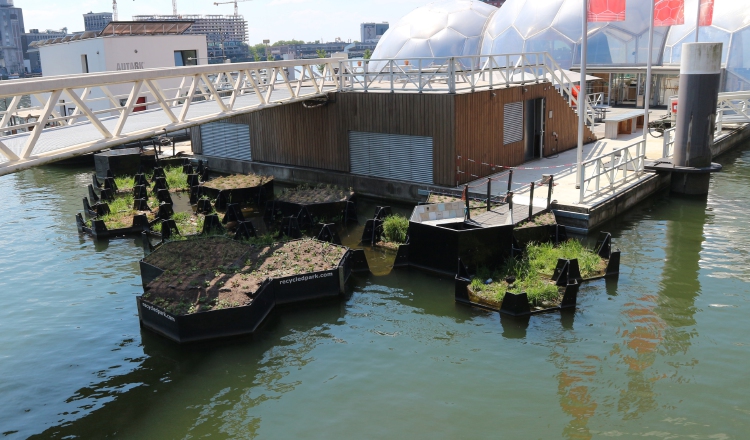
662,353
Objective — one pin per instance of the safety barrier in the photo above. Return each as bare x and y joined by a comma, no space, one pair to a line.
607,170
456,74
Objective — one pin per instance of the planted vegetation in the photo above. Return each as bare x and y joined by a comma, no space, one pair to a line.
532,274
176,179
236,181
540,220
203,274
395,228
121,213
308,195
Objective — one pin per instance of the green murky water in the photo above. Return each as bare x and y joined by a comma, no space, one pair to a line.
661,353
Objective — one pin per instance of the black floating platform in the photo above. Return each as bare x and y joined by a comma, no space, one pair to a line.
247,319
99,230
256,194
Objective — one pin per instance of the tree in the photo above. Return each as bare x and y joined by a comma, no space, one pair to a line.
368,54
291,42
321,54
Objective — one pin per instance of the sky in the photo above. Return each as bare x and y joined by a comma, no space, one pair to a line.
275,20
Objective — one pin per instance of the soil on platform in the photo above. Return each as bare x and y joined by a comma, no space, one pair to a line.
309,195
236,181
216,273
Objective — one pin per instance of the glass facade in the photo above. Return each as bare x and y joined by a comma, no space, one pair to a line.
554,26
731,26
466,27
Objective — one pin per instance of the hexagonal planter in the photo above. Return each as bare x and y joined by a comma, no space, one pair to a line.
215,287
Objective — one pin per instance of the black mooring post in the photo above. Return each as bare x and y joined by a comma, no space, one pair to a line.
489,192
466,198
550,181
531,200
510,179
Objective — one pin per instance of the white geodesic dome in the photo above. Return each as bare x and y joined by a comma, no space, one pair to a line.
731,27
437,30
554,26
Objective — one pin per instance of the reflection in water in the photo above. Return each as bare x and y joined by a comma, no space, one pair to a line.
653,324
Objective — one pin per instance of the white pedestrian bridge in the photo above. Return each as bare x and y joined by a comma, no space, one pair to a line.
53,118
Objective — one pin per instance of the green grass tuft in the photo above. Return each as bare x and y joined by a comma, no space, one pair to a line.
395,228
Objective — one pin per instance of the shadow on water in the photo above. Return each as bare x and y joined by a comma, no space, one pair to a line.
166,369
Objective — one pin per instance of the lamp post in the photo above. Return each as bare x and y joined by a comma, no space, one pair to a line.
266,42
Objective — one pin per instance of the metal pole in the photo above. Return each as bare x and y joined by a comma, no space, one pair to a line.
582,91
549,189
531,201
647,98
489,191
698,21
510,180
468,210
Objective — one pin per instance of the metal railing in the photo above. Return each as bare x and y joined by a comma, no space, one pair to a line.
456,74
607,170
113,108
733,108
668,142
160,99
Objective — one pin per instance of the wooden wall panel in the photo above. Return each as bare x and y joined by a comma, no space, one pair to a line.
319,137
479,129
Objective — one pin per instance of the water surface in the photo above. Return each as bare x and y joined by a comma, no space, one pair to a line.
660,353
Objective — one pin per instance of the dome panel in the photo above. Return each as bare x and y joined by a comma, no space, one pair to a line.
428,24
468,23
447,42
532,19
443,27
416,48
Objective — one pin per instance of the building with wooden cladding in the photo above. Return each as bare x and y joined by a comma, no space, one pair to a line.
439,139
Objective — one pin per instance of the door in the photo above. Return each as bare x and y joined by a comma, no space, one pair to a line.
533,128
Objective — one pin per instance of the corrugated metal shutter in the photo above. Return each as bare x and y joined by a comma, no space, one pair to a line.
512,122
221,139
391,156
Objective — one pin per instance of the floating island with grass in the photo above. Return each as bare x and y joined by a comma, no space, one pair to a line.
313,203
546,277
203,288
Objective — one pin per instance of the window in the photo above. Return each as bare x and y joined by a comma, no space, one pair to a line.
185,58
84,63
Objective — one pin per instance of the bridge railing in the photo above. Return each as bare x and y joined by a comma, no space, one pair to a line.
108,100
600,174
176,98
733,108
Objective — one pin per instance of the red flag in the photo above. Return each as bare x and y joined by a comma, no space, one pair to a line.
707,13
606,10
669,12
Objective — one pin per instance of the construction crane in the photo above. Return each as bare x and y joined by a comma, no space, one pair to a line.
236,13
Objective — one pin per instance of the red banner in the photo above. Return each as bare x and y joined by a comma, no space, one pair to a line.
669,12
606,10
707,13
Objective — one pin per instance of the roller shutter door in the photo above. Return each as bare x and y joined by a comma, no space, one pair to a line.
231,141
391,156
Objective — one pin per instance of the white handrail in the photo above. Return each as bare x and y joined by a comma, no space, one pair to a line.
607,170
179,97
668,142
